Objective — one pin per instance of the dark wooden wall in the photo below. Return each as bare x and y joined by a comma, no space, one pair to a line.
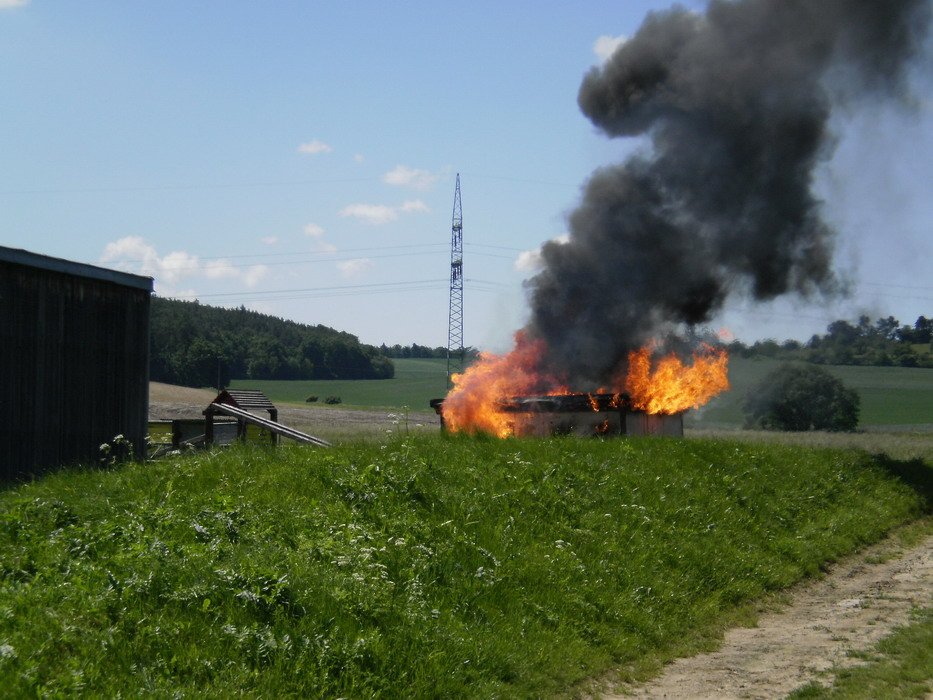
74,363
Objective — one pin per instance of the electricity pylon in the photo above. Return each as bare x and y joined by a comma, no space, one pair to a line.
455,359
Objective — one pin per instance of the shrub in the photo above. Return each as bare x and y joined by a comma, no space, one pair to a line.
117,451
801,397
311,399
332,399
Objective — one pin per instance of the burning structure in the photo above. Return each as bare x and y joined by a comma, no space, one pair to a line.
582,415
502,395
736,104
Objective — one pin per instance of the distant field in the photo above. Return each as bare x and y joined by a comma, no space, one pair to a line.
416,382
891,396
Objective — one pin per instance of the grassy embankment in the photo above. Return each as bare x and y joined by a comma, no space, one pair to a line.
424,567
892,397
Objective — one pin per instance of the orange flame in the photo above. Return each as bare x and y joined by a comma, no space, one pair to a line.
474,403
672,386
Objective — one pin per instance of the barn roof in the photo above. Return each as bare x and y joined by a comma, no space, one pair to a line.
247,399
69,267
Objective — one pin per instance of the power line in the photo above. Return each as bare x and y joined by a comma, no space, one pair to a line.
189,186
343,290
336,259
315,289
200,186
293,253
497,247
891,284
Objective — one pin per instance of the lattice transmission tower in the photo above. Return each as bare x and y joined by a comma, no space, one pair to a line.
455,359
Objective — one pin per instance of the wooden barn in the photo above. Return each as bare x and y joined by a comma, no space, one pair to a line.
74,361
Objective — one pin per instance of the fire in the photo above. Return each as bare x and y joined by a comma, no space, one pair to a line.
472,404
670,386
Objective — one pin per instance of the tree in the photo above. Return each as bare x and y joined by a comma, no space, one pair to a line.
802,397
887,327
194,343
923,330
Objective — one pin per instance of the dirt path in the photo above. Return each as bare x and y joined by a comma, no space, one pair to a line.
857,603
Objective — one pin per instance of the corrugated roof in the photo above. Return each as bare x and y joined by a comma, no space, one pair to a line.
69,267
247,399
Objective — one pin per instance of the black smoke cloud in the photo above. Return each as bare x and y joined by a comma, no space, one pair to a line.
736,104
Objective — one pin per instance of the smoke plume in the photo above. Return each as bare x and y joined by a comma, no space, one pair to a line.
736,103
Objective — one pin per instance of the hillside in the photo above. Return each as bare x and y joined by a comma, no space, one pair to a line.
197,345
423,567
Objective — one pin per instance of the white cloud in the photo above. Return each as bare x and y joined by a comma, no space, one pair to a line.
355,267
8,4
220,269
606,45
403,176
314,230
255,274
178,264
314,147
530,260
133,249
374,214
377,214
134,254
414,205
172,293
319,245
359,158
269,240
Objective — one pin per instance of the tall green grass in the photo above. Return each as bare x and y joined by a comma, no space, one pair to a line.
426,567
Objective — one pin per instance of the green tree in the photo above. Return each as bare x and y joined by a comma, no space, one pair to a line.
801,397
193,343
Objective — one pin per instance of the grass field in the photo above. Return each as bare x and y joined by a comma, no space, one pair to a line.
891,396
416,382
423,567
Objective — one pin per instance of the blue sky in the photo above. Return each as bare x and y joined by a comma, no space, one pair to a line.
299,158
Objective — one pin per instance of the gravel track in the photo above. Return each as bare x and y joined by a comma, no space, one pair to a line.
859,601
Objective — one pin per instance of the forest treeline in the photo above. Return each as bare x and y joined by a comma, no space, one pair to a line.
193,344
884,342
421,351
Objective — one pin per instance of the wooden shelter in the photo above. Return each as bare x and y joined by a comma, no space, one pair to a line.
249,400
74,361
243,404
